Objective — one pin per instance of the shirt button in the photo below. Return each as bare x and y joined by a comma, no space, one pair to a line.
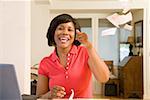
68,54
67,63
67,67
66,72
68,58
66,77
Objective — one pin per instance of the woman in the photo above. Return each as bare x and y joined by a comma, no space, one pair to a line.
70,66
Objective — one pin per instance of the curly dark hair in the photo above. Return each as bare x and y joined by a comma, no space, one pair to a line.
63,18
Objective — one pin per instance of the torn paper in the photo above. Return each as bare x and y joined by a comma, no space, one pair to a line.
72,95
110,31
125,10
125,18
114,19
128,27
117,19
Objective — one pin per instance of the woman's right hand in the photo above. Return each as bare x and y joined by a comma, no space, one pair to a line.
57,92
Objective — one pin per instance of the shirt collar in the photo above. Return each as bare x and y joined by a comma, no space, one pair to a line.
73,50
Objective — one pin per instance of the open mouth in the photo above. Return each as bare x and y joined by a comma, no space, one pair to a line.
64,39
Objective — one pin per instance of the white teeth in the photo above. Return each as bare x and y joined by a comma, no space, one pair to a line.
63,39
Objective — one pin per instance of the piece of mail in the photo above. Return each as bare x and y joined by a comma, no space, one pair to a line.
128,27
72,95
114,19
125,10
117,19
125,18
110,31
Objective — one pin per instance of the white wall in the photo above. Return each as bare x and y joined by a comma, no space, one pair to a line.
40,20
147,52
1,30
14,47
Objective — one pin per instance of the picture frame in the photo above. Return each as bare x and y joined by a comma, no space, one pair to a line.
138,31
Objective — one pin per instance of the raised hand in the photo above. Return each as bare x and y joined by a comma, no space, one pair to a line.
83,38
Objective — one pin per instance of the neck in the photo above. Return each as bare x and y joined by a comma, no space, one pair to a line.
62,51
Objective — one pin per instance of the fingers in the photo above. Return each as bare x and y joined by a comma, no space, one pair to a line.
78,32
56,87
81,37
58,92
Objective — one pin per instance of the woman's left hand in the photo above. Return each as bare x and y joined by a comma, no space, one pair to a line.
83,38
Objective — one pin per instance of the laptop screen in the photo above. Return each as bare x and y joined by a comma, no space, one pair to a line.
9,89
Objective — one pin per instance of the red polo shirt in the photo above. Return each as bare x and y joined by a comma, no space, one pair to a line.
76,76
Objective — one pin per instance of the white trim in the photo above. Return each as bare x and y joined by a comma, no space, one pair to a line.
95,31
144,57
101,5
146,49
27,66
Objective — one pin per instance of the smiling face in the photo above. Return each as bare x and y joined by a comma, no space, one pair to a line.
64,35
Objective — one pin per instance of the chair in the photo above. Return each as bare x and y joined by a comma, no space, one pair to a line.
112,86
34,78
109,63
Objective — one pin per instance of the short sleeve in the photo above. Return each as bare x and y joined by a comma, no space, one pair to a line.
85,52
43,68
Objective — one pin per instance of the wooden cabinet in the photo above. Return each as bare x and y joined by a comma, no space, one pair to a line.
131,77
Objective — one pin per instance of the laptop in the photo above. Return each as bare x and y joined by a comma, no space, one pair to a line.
9,88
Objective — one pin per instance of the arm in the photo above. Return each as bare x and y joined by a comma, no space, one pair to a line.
43,89
97,66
